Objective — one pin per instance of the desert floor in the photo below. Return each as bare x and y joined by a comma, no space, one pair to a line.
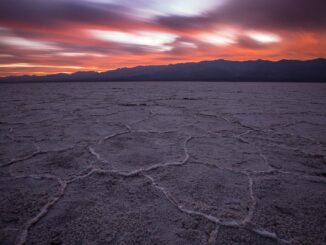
163,163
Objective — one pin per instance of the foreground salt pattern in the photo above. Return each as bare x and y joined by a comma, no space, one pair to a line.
163,163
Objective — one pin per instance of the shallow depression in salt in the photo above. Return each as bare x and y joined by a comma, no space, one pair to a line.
162,163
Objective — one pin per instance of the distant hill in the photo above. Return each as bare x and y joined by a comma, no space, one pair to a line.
217,70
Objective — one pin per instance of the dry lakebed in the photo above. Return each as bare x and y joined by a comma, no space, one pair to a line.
163,163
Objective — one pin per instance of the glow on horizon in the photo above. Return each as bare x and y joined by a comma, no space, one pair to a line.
27,65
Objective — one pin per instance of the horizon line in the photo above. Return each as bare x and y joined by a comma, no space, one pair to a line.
178,63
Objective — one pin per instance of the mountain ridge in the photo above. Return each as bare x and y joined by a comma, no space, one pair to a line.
214,70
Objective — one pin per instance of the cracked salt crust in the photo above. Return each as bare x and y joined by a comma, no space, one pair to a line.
158,166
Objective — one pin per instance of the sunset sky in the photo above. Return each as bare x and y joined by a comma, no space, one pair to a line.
50,36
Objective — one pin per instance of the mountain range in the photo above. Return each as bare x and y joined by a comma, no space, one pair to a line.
216,70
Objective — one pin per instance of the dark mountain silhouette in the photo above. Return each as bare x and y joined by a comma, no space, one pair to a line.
218,70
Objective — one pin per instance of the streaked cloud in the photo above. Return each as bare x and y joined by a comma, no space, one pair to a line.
71,54
23,43
159,40
264,37
220,38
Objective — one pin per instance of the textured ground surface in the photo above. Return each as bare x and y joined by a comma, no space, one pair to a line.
162,163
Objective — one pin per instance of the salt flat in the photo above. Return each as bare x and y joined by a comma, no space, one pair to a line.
163,163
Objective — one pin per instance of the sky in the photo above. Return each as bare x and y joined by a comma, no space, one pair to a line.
53,36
